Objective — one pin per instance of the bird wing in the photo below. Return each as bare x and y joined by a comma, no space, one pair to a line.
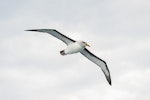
98,62
56,34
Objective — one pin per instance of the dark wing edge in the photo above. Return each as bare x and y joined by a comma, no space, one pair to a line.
56,34
101,63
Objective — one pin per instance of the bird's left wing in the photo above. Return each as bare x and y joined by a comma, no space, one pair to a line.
56,34
101,63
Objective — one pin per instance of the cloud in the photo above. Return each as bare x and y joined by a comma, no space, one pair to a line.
32,68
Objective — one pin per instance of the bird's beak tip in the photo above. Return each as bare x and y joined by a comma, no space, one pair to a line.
87,45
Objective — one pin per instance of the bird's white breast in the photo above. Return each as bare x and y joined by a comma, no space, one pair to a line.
73,48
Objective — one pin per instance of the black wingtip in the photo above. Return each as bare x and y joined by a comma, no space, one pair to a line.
31,30
109,81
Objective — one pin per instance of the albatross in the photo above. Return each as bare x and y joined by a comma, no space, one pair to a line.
76,47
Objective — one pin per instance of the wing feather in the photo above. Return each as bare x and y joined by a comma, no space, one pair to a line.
101,63
56,34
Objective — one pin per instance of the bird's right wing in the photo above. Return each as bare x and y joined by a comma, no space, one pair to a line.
101,63
56,34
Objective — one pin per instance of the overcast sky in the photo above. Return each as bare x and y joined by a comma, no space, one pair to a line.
31,67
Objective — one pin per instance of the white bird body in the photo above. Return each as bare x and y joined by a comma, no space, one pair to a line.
78,46
73,48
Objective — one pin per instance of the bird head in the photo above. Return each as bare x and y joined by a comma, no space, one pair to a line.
82,43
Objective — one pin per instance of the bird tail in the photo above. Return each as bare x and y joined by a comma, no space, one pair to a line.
62,52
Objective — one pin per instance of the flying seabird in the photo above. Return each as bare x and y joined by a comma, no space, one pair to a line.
75,47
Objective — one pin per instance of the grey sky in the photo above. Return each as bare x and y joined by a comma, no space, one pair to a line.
31,67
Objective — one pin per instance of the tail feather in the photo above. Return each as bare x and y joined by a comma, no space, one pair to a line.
62,52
